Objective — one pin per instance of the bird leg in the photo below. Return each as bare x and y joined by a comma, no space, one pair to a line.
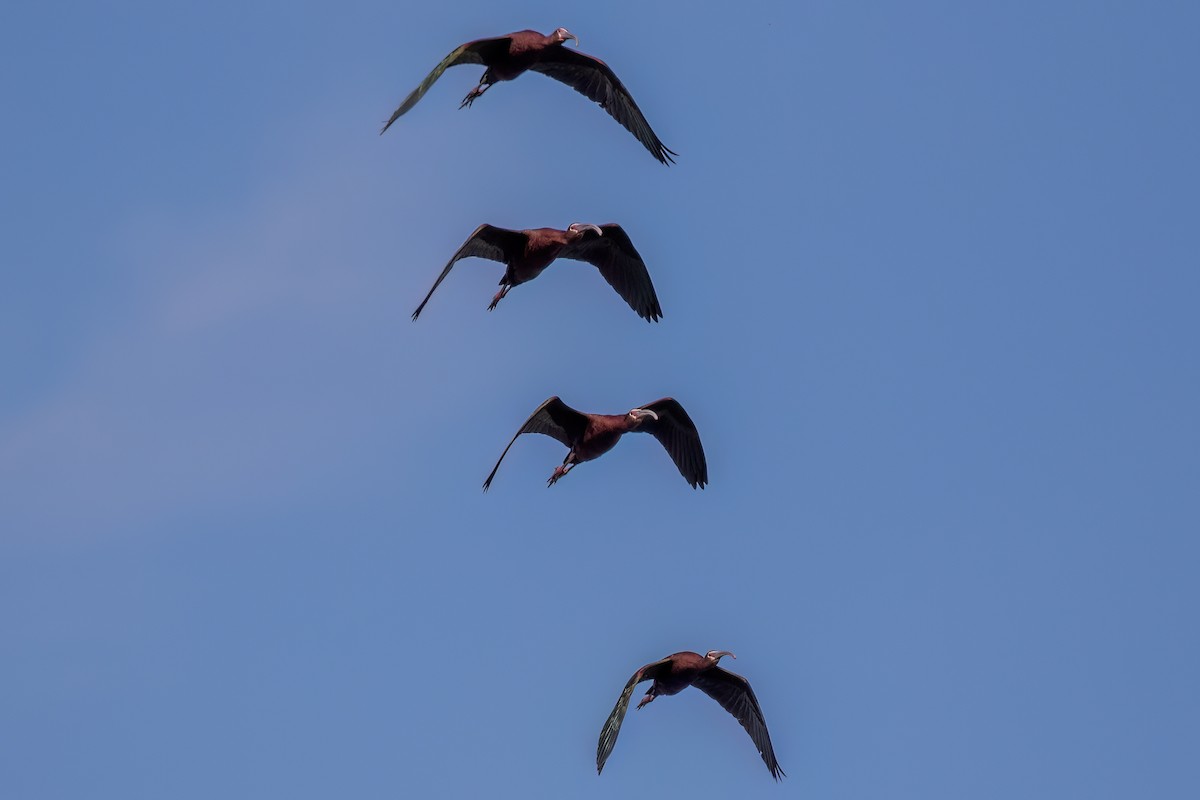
499,296
649,698
558,473
484,85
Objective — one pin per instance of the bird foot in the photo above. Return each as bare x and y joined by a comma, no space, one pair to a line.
558,473
648,698
499,296
472,95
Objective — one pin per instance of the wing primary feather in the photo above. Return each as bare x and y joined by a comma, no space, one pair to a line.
424,85
553,418
677,434
595,80
469,53
487,241
734,694
612,725
620,264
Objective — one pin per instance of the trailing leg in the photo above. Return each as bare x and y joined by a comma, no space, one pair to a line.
484,84
499,296
560,471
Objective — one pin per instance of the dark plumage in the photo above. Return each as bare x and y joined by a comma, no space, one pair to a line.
675,673
527,253
506,57
592,435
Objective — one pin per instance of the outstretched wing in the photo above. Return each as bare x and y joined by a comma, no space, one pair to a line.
470,53
677,433
594,79
612,725
734,694
488,241
618,261
553,418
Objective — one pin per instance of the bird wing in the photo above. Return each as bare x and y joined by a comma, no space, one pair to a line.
594,79
470,53
734,694
612,725
553,418
488,241
677,433
618,261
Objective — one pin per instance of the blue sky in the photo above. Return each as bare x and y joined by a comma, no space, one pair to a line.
929,279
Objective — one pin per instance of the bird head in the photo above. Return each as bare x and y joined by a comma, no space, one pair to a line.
560,35
581,227
640,415
715,656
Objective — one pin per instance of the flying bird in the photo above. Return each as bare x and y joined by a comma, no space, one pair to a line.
675,673
506,57
592,435
527,253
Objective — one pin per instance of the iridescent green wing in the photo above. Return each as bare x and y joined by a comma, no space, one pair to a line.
612,725
470,53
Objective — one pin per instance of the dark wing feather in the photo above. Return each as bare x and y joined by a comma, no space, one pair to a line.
470,53
594,79
734,694
553,418
618,261
488,241
677,433
612,725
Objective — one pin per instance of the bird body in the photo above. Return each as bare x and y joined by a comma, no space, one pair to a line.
527,253
677,672
602,433
542,247
590,436
508,57
523,49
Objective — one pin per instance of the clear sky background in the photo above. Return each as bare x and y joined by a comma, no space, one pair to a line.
930,281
